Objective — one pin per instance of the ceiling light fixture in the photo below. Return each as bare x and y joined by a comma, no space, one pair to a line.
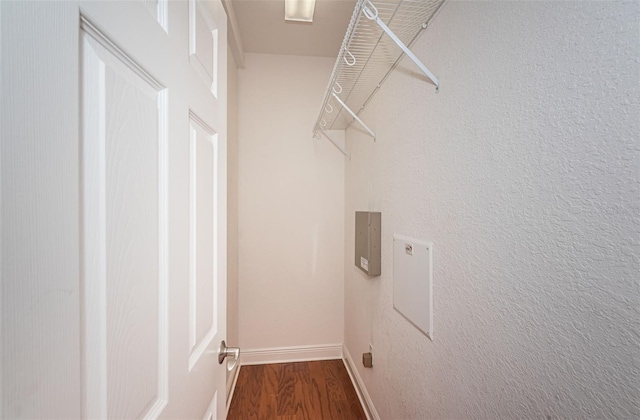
299,10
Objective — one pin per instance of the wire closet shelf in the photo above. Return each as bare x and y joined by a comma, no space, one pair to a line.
379,35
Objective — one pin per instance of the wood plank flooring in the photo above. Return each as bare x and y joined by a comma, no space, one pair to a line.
295,391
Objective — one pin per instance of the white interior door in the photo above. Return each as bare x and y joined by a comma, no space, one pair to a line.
113,182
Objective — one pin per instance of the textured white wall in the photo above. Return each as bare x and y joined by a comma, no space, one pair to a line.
291,207
524,172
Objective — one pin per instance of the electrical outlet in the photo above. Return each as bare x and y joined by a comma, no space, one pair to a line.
367,360
408,249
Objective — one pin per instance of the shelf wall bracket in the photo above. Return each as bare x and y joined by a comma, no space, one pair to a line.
353,114
344,152
371,13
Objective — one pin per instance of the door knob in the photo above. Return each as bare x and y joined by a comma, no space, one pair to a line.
224,351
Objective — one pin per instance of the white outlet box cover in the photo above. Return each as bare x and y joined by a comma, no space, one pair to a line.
413,281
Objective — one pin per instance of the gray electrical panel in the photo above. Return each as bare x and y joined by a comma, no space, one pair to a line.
368,241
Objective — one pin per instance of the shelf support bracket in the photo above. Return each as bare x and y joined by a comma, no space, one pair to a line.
344,152
353,114
373,15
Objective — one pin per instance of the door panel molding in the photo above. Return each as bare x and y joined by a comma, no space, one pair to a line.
124,233
91,29
203,45
202,267
160,11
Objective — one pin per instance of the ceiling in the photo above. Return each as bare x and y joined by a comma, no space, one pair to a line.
262,28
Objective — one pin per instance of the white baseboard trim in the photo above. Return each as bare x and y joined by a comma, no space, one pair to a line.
231,384
361,390
290,354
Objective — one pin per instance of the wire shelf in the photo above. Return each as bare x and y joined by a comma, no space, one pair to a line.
369,53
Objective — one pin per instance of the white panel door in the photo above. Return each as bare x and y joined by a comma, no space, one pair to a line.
113,182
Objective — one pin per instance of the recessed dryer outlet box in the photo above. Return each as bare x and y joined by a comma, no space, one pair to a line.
413,281
368,241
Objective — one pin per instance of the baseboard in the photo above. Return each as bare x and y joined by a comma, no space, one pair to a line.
231,384
361,390
290,354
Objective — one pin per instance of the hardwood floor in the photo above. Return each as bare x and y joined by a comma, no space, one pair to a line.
295,391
